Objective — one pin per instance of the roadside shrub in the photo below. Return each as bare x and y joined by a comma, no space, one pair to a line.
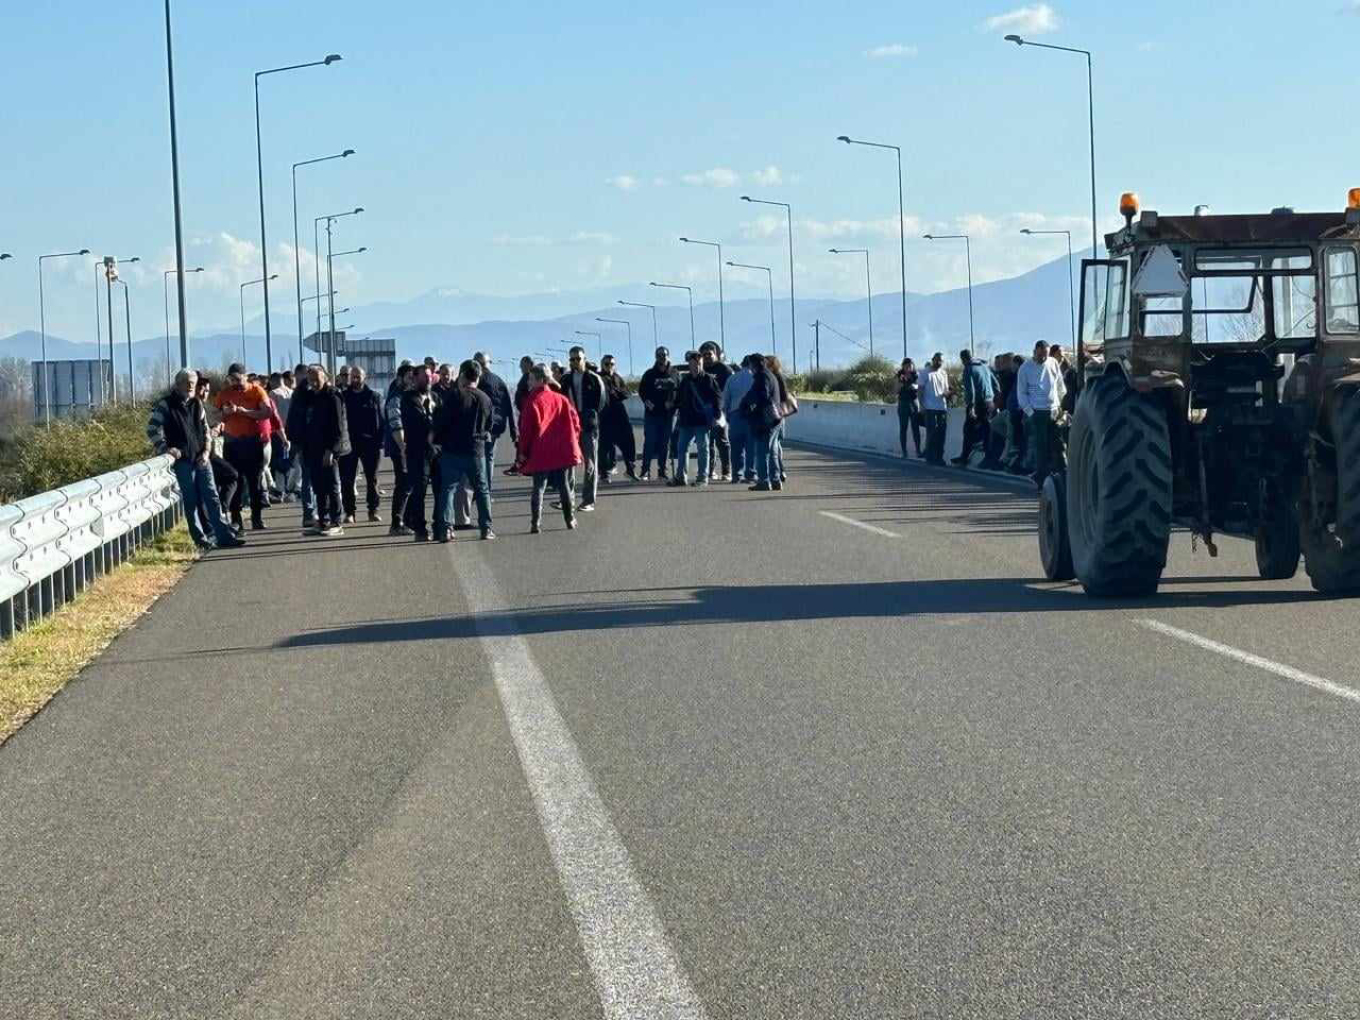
40,457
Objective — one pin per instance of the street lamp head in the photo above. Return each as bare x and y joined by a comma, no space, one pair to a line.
731,263
1015,39
358,210
331,59
83,251
843,138
347,152
685,240
929,237
5,255
1026,230
135,258
197,270
746,198
365,248
274,276
834,251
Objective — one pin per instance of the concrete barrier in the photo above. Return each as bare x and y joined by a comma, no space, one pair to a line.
848,425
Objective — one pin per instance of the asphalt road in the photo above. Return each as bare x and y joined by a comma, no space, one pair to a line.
838,752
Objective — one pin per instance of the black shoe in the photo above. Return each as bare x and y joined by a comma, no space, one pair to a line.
231,542
646,476
959,461
760,487
488,535
632,475
308,521
349,518
571,524
400,529
422,536
585,508
677,483
204,547
777,486
467,526
534,528
445,537
258,526
373,517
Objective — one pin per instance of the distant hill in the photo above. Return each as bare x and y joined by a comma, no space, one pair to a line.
448,324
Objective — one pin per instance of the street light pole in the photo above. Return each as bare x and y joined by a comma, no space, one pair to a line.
722,324
259,166
127,315
110,274
868,286
165,292
249,283
179,223
793,321
656,335
629,325
1071,292
901,222
689,291
769,276
330,286
968,256
297,259
42,330
316,250
1091,116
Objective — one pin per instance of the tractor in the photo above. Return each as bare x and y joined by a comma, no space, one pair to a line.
1218,365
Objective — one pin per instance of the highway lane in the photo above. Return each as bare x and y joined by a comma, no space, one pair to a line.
835,771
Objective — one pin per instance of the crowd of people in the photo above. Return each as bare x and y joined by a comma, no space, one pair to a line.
301,437
1015,410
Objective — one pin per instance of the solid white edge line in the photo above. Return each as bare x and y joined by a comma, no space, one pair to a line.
636,973
1279,669
859,524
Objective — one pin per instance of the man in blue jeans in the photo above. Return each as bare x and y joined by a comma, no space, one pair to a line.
698,405
738,429
657,392
462,426
179,428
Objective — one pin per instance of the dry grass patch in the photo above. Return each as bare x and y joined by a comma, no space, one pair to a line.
39,662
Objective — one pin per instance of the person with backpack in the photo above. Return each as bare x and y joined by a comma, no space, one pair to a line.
698,405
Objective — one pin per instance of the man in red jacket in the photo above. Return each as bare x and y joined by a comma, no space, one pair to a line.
548,445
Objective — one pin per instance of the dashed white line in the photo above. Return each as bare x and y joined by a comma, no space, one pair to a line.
1279,669
859,524
636,972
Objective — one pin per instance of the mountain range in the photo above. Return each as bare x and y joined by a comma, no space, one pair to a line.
1007,314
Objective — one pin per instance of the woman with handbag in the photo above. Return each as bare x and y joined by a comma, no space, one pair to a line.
788,406
764,414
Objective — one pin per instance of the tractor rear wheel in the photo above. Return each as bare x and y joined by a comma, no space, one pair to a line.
1118,489
1055,549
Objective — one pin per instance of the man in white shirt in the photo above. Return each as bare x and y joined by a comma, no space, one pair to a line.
1040,390
935,408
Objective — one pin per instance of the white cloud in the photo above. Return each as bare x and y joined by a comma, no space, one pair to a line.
769,177
525,241
624,182
718,177
1032,19
890,51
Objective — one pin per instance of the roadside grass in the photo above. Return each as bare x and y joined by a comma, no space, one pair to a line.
40,661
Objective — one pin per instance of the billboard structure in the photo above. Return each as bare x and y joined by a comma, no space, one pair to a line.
377,356
74,387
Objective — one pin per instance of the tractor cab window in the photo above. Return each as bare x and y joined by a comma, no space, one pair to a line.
1248,297
1105,303
1343,294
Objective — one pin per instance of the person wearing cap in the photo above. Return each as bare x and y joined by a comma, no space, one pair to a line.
243,405
657,390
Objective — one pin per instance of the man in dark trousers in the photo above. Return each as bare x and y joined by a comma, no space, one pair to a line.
417,420
980,386
179,427
698,404
295,425
462,430
364,415
717,435
324,443
585,389
616,430
244,405
658,390
395,442
525,385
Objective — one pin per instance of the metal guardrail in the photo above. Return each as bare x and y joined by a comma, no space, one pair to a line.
53,545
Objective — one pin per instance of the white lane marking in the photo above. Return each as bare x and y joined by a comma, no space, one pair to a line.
1279,669
636,972
859,524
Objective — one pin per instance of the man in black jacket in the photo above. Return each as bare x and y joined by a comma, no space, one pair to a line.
179,427
462,427
364,415
324,442
526,384
657,390
616,431
587,394
502,419
295,425
761,405
717,435
698,403
418,406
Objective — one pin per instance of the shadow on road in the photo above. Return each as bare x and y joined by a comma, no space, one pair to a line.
683,606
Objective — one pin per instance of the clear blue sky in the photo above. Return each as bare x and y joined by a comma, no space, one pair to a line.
493,138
